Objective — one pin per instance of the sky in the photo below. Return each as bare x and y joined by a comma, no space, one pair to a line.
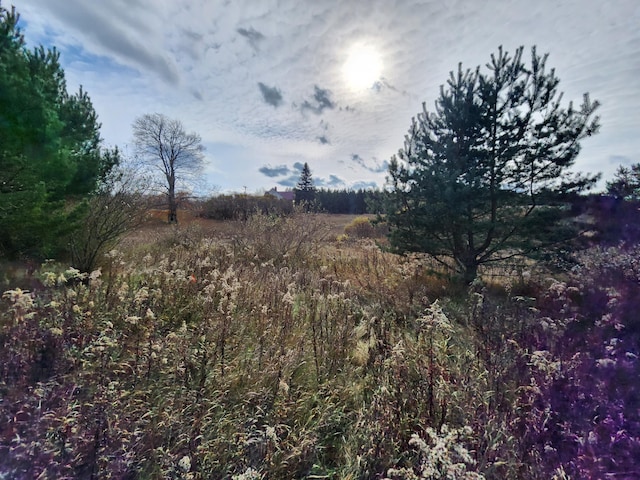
272,84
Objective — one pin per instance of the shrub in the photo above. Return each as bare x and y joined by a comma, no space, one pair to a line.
274,238
580,410
361,227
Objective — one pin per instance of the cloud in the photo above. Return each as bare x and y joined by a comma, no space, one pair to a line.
274,171
321,101
382,84
292,181
252,35
118,36
333,181
378,168
271,95
292,173
197,94
619,160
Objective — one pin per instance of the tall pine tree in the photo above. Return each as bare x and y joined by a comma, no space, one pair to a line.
305,189
49,147
626,183
479,179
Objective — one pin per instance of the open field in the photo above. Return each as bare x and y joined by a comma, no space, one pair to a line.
268,349
189,218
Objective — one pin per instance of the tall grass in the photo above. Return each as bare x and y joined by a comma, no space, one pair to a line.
278,354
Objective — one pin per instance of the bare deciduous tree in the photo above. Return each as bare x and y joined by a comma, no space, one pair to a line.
165,146
117,207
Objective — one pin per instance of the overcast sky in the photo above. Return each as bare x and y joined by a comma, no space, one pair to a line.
272,84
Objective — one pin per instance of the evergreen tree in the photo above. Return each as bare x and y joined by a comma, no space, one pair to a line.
49,147
305,190
479,180
626,183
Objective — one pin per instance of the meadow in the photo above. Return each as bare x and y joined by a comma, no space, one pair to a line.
283,347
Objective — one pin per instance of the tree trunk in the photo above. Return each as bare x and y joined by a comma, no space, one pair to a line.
173,206
173,215
470,272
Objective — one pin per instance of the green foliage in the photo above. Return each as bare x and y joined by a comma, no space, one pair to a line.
49,150
305,190
626,183
481,178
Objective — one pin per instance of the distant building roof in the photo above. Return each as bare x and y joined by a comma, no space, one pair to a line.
287,195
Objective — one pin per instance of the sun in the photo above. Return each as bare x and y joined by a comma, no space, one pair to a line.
363,67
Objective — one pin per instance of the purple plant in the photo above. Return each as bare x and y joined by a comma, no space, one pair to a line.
583,401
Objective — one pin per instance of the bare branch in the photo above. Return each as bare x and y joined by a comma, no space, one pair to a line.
162,144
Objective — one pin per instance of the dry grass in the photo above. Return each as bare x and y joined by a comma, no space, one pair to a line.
157,227
269,349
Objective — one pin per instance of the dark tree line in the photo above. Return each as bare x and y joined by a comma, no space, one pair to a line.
241,207
355,202
343,201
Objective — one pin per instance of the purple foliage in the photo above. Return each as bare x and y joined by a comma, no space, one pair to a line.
586,367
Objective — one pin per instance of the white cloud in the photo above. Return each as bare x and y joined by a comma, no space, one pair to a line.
201,62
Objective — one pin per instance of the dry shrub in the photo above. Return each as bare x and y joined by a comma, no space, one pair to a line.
362,227
274,238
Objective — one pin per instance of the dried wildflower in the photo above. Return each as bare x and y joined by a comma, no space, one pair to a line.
142,295
435,318
49,279
283,387
185,463
270,434
443,455
22,303
288,298
360,355
71,273
248,474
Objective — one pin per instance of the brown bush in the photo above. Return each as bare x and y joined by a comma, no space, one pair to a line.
362,227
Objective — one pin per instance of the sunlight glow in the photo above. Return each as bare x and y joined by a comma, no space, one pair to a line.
363,67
